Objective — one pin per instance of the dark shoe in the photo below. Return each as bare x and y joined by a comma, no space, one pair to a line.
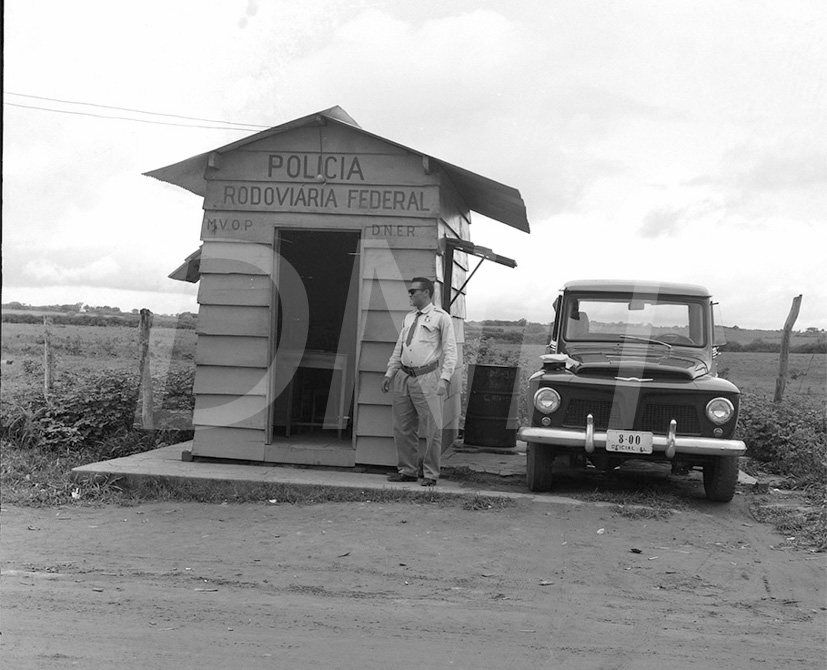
428,482
398,477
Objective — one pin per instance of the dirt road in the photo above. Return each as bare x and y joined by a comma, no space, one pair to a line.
539,585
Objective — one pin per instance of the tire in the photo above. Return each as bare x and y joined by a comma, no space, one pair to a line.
720,478
539,459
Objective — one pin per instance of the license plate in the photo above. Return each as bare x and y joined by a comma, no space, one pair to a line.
629,441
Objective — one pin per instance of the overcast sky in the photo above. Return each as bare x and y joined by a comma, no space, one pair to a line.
680,141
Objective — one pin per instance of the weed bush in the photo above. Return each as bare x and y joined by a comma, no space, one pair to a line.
788,438
96,411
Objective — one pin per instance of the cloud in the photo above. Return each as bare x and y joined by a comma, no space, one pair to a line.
782,171
662,222
41,271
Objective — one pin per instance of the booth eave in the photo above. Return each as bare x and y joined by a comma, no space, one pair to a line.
482,195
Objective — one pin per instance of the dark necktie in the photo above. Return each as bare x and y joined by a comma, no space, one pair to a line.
413,328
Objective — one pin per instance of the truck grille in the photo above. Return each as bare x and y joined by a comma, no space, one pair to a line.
656,418
579,408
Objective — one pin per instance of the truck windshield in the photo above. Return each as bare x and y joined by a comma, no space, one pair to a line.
669,320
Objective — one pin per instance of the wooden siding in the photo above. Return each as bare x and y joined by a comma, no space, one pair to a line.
221,257
236,411
236,292
250,352
385,294
233,380
331,138
259,227
222,442
334,454
375,356
241,320
374,420
236,289
382,326
399,264
376,450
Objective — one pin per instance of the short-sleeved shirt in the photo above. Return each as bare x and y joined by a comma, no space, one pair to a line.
433,339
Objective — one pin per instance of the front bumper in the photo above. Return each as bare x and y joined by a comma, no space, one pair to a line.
670,444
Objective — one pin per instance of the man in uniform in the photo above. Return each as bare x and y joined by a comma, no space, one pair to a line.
418,376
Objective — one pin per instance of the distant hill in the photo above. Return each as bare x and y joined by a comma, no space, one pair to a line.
85,315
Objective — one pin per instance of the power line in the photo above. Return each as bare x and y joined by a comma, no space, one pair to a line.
119,118
127,109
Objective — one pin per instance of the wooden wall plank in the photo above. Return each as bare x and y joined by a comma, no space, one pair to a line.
221,257
381,450
375,451
340,455
234,320
224,350
385,294
338,138
374,356
295,139
377,231
375,421
246,411
401,264
334,138
248,290
239,443
401,234
370,389
382,326
459,334
230,380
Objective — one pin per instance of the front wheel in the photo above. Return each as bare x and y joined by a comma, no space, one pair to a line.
539,459
720,478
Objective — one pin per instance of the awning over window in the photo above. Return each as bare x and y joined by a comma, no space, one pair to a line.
190,269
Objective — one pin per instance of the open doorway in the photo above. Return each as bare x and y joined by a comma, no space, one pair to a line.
315,397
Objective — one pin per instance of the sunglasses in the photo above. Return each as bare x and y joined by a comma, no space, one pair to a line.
411,291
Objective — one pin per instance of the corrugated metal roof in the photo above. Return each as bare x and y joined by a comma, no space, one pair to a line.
482,195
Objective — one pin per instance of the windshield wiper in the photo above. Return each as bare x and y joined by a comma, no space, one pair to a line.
647,340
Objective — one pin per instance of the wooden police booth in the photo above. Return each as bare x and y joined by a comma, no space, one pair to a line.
311,231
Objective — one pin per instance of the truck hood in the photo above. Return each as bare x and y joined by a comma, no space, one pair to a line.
645,365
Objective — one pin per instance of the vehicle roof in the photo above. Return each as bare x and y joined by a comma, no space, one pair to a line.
630,286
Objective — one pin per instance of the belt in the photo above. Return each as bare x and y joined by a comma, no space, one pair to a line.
416,372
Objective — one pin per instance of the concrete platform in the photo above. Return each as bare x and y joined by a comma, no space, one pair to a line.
166,463
510,464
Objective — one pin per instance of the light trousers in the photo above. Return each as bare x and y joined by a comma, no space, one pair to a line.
415,400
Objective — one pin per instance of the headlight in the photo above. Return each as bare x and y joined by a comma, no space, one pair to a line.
547,400
719,410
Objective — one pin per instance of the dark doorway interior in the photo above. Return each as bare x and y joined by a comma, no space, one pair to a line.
320,395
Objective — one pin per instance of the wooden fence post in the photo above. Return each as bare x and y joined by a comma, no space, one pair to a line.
147,419
48,358
781,381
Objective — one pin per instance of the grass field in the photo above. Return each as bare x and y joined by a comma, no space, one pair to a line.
95,348
77,348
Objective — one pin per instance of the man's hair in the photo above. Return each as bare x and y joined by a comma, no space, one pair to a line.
427,284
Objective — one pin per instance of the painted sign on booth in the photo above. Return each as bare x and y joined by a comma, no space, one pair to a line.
322,183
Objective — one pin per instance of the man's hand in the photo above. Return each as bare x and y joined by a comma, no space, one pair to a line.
442,389
386,384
